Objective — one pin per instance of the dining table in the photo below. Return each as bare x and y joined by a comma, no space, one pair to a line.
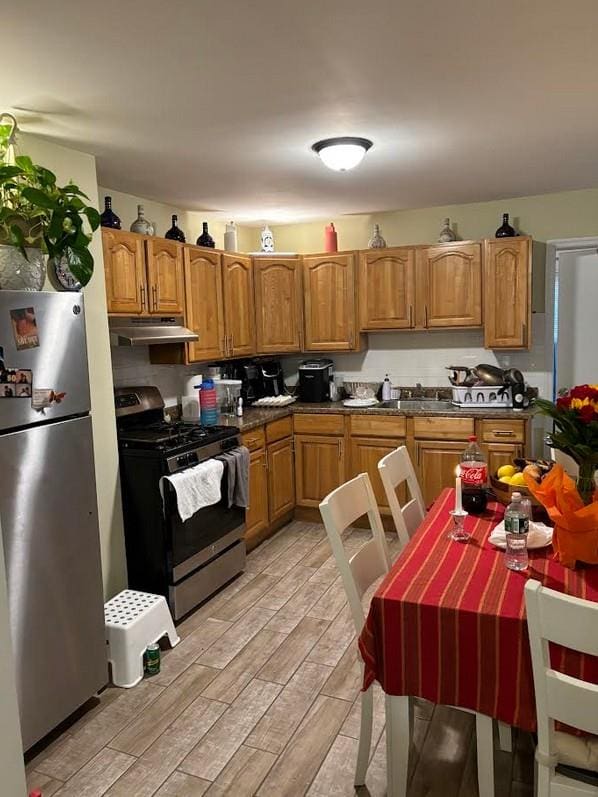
448,624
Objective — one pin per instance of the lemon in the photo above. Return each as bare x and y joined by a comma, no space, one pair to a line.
506,470
518,479
505,479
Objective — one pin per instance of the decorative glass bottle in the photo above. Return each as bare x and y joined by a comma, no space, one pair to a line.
505,230
376,241
175,233
109,217
230,238
141,224
446,233
205,239
267,239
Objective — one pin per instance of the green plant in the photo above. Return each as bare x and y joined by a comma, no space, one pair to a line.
36,212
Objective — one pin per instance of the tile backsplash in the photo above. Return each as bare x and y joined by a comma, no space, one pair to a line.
412,357
408,357
132,366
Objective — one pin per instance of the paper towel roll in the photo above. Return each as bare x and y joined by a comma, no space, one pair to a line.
191,384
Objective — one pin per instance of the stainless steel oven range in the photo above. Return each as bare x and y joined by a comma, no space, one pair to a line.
184,561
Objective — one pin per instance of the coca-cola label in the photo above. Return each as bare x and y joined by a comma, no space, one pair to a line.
474,476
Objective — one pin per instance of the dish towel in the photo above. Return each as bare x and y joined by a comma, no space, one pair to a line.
196,487
237,469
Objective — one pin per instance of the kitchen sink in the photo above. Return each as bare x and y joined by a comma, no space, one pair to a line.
416,404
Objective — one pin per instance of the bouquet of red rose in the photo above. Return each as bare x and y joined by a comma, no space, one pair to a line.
574,511
575,417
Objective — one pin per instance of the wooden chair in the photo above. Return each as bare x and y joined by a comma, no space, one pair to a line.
339,510
567,764
396,469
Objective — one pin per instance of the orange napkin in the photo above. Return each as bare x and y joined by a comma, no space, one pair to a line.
575,537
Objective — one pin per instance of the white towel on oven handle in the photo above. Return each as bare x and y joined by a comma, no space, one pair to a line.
196,487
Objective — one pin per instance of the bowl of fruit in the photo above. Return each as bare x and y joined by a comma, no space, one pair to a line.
509,479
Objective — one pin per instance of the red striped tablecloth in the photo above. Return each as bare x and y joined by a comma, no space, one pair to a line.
448,622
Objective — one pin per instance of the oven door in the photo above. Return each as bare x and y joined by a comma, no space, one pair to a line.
203,536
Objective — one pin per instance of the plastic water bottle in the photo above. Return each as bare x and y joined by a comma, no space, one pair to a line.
208,403
516,528
474,474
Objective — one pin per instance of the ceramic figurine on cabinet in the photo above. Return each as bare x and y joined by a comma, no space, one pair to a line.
267,239
230,238
446,233
141,224
376,241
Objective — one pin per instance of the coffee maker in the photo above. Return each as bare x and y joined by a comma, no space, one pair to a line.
272,378
250,374
314,380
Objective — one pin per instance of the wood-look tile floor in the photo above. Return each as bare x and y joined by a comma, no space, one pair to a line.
261,697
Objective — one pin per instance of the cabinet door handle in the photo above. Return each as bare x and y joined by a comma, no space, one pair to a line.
232,344
340,449
503,433
417,450
142,292
410,315
154,297
425,315
266,463
524,333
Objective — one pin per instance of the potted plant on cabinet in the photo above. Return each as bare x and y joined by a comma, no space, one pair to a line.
37,218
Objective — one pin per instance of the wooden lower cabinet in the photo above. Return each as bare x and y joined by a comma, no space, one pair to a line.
365,454
435,463
281,479
319,467
256,518
498,454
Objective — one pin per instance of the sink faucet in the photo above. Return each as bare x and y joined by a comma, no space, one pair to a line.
419,389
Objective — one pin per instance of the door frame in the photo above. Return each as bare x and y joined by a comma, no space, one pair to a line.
554,248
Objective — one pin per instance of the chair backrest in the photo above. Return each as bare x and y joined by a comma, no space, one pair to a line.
339,510
395,469
572,623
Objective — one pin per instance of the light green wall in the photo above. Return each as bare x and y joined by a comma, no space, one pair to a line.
564,215
80,167
125,207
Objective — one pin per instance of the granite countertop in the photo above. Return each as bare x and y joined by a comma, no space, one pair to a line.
258,416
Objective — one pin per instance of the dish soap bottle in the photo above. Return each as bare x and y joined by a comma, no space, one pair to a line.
386,389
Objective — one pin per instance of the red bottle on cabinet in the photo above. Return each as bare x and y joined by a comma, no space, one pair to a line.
330,238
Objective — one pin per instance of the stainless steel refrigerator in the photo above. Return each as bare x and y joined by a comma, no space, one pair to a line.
48,508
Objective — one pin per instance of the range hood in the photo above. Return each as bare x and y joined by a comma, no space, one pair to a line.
149,331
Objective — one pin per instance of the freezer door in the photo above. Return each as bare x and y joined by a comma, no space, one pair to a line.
49,522
42,337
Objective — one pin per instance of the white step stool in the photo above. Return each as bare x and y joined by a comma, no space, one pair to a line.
135,620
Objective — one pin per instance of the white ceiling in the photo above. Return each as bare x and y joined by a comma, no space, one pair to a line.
214,104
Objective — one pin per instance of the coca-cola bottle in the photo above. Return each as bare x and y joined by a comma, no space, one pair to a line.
474,474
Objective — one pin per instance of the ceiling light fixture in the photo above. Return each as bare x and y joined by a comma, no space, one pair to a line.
342,153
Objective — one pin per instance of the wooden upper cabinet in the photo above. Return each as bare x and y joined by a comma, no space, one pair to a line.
387,288
124,267
453,291
278,308
205,310
239,314
330,302
507,293
165,276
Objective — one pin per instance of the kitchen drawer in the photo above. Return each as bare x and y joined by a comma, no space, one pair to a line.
378,426
503,431
254,439
319,424
276,430
438,428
